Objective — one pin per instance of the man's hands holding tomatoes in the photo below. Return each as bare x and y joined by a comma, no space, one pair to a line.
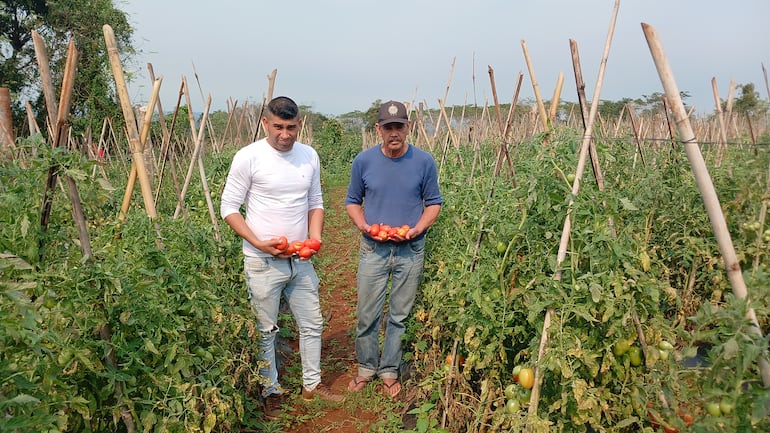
304,249
384,232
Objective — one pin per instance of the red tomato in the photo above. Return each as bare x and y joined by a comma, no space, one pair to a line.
383,235
313,244
294,247
686,417
392,232
282,244
402,231
305,253
384,228
374,229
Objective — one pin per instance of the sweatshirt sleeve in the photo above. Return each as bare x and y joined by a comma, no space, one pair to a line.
236,186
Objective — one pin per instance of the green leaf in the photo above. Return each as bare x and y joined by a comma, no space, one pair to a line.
23,399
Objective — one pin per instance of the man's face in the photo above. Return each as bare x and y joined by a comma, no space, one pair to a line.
281,133
393,135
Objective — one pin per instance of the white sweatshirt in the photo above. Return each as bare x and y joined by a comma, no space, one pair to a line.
278,188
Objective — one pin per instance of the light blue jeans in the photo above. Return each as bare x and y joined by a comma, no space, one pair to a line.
267,278
401,264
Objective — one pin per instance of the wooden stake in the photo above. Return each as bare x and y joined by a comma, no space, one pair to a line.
128,115
720,117
142,140
556,97
706,188
562,253
535,87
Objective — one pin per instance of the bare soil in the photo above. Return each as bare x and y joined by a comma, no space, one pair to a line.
336,266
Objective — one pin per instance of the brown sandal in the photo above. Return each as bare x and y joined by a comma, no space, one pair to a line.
392,389
358,383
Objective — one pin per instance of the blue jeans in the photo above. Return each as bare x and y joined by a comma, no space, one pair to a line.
380,262
267,278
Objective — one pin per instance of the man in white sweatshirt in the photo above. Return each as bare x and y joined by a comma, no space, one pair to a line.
279,180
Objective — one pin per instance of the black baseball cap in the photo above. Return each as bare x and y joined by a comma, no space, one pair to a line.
392,112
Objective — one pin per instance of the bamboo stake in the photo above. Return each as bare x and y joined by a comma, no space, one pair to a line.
762,216
59,131
501,130
442,113
706,187
671,134
167,154
598,176
421,128
196,150
231,111
62,129
7,138
535,87
556,98
512,108
720,117
270,88
142,141
33,126
635,129
45,76
128,114
562,253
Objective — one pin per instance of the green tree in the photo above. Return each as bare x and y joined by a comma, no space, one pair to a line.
749,102
58,22
372,113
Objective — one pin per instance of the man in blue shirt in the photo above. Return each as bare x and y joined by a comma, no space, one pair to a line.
393,184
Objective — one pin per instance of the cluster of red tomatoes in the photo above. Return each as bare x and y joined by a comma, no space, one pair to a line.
304,249
384,232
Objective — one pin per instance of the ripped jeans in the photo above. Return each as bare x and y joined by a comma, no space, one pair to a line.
269,278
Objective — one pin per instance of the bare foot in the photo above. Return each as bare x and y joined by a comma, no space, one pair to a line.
391,386
358,383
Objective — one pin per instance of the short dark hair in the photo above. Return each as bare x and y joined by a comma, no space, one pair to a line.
283,107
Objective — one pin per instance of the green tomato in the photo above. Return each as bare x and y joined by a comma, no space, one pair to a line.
665,345
663,354
512,406
510,391
501,247
635,356
621,347
713,408
571,178
726,406
524,395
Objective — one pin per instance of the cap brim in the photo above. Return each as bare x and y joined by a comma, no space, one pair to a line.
386,121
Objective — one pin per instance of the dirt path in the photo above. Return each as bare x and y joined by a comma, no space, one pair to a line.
336,266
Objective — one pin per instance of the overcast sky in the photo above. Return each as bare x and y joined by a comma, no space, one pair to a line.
339,56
